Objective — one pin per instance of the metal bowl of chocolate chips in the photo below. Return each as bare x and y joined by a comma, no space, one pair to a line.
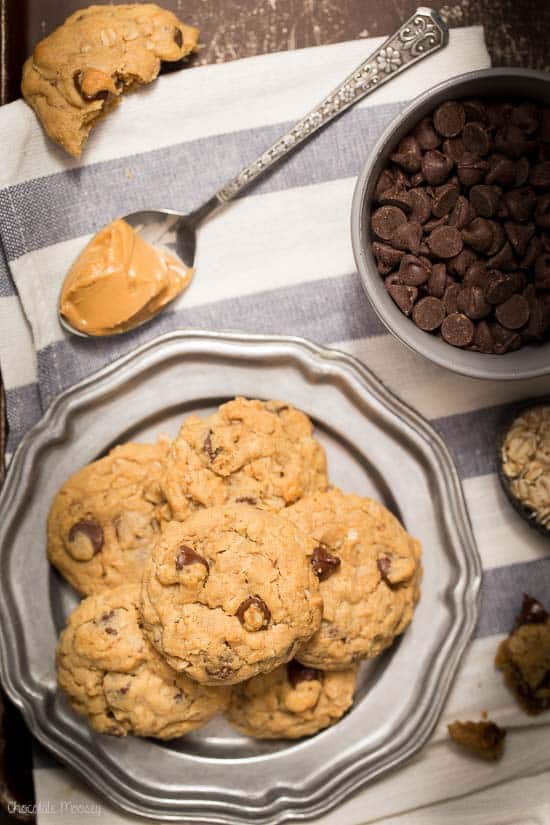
451,224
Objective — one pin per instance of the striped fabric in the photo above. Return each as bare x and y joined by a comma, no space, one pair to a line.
279,260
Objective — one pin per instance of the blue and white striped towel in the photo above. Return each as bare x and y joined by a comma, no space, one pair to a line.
279,260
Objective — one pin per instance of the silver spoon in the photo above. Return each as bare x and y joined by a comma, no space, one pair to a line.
421,35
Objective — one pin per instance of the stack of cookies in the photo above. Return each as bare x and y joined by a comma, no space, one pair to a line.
224,574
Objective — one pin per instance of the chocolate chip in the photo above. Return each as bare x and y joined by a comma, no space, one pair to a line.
504,340
297,673
436,167
519,236
523,170
545,125
384,565
499,287
471,169
178,37
254,614
444,199
246,500
433,223
475,110
483,340
445,241
408,155
502,170
463,213
511,141
449,118
221,673
387,255
324,563
421,205
413,271
209,449
504,259
186,556
526,117
78,80
386,220
499,238
111,631
385,181
457,330
520,203
478,234
513,313
485,199
499,114
534,249
542,211
426,135
532,612
429,313
540,175
395,196
454,148
536,326
542,271
476,274
459,265
450,298
407,236
85,538
404,296
471,301
437,281
477,138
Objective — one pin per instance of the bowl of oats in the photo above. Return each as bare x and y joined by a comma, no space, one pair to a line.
524,463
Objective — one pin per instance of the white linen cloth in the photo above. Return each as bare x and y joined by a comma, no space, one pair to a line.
278,260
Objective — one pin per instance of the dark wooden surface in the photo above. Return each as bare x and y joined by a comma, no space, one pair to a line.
517,33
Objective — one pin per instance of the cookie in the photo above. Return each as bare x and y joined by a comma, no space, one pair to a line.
105,519
369,570
77,74
111,674
256,452
524,657
291,701
230,593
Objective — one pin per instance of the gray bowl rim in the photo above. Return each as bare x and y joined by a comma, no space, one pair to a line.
463,362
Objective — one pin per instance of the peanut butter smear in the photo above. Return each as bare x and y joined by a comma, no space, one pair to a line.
118,281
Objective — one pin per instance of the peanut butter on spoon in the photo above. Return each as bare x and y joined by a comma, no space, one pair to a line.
119,281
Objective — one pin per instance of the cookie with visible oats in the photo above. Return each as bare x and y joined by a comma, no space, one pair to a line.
369,572
291,701
261,453
106,518
230,593
111,674
78,73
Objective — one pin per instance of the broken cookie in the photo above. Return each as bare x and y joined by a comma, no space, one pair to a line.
78,73
485,739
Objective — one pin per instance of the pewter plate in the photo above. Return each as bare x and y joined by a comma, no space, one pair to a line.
376,445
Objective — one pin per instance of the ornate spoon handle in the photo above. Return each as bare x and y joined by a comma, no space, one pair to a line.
421,35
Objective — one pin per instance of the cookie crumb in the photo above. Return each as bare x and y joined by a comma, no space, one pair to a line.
485,738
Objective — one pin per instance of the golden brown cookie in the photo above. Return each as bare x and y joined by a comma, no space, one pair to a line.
112,675
256,452
230,593
291,701
524,657
369,570
78,73
105,519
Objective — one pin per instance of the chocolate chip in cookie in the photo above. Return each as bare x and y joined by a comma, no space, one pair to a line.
324,563
85,539
254,614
